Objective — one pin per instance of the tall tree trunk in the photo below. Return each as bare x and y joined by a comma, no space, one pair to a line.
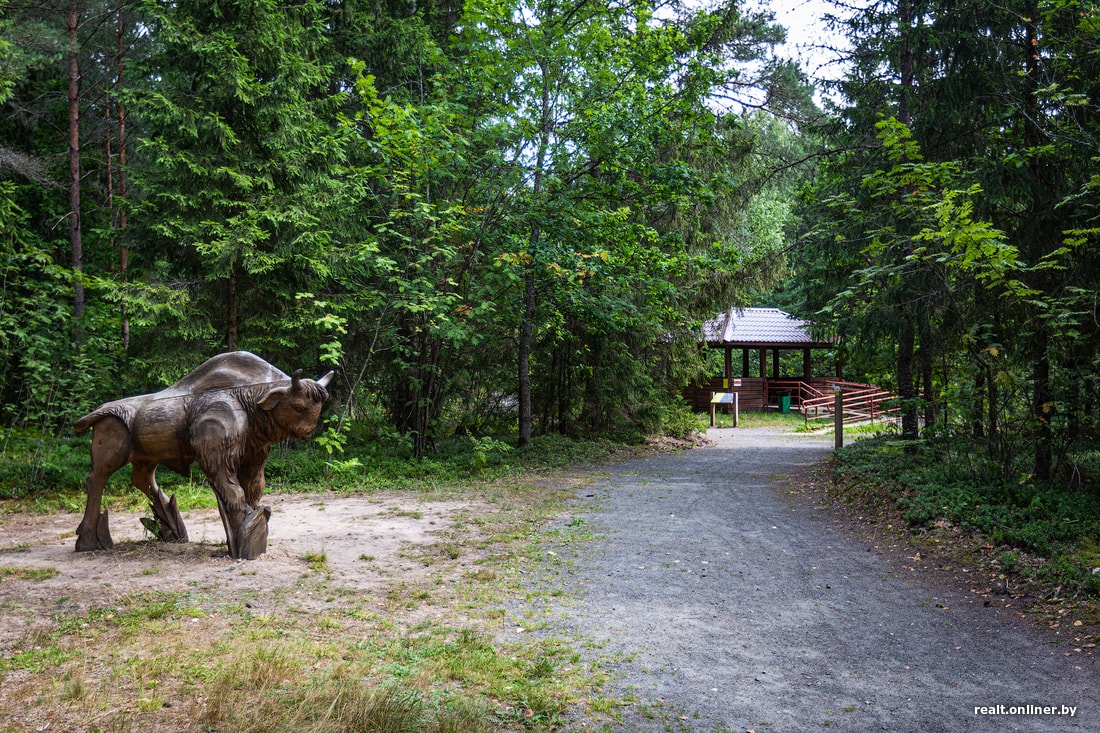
906,389
907,330
1042,399
1043,407
123,251
232,307
929,394
992,397
76,243
530,292
526,335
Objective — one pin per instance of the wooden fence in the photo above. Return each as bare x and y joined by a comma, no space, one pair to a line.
859,402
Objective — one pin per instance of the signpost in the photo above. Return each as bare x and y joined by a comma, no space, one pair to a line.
725,398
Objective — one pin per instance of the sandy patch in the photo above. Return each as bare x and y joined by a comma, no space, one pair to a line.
369,542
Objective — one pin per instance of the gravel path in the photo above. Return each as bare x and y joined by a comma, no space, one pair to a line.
723,603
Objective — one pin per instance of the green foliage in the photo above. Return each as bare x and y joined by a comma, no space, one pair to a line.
953,251
929,486
44,377
42,473
238,158
486,449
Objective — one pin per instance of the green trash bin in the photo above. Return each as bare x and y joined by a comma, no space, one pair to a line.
784,403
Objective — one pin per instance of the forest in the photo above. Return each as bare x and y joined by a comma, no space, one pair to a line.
509,219
502,224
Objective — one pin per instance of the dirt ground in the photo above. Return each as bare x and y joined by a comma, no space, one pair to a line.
365,541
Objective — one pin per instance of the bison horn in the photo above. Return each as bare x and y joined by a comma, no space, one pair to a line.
323,381
296,381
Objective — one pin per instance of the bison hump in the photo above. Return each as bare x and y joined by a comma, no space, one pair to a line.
225,371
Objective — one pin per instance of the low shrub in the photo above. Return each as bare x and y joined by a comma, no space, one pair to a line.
1058,523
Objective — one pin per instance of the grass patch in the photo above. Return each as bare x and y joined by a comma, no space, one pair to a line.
770,419
37,574
317,560
376,686
44,473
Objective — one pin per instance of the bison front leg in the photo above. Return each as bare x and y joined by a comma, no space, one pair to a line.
252,537
168,525
252,533
217,438
110,452
245,526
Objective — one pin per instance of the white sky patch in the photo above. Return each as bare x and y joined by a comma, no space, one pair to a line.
819,50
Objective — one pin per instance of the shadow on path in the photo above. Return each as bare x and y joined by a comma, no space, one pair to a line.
731,606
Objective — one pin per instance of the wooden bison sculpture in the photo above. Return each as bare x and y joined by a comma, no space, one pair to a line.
225,415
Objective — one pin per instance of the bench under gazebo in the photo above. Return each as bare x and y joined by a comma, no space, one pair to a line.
764,344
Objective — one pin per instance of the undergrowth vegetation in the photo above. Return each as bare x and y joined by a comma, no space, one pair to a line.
931,486
46,472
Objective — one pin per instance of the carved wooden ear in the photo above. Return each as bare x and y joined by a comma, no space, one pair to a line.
272,398
323,381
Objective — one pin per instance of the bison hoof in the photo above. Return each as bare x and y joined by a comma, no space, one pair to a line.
252,537
96,535
160,530
167,524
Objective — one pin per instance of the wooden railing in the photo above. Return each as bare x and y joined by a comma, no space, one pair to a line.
859,402
814,398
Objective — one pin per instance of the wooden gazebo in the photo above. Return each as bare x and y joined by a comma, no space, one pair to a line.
762,335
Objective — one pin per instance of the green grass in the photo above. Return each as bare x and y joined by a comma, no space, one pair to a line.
45,473
769,419
434,677
317,560
27,573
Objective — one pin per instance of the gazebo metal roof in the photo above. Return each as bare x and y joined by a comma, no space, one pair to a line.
760,327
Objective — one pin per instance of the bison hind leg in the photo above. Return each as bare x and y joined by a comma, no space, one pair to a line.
110,452
167,524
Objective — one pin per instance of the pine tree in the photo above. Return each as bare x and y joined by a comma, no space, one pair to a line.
238,154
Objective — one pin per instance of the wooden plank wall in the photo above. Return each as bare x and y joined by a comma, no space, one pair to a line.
751,394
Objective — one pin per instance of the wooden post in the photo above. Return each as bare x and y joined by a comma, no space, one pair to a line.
775,363
729,367
807,365
745,362
838,417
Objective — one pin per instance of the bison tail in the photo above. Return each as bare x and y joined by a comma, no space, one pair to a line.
111,409
87,421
